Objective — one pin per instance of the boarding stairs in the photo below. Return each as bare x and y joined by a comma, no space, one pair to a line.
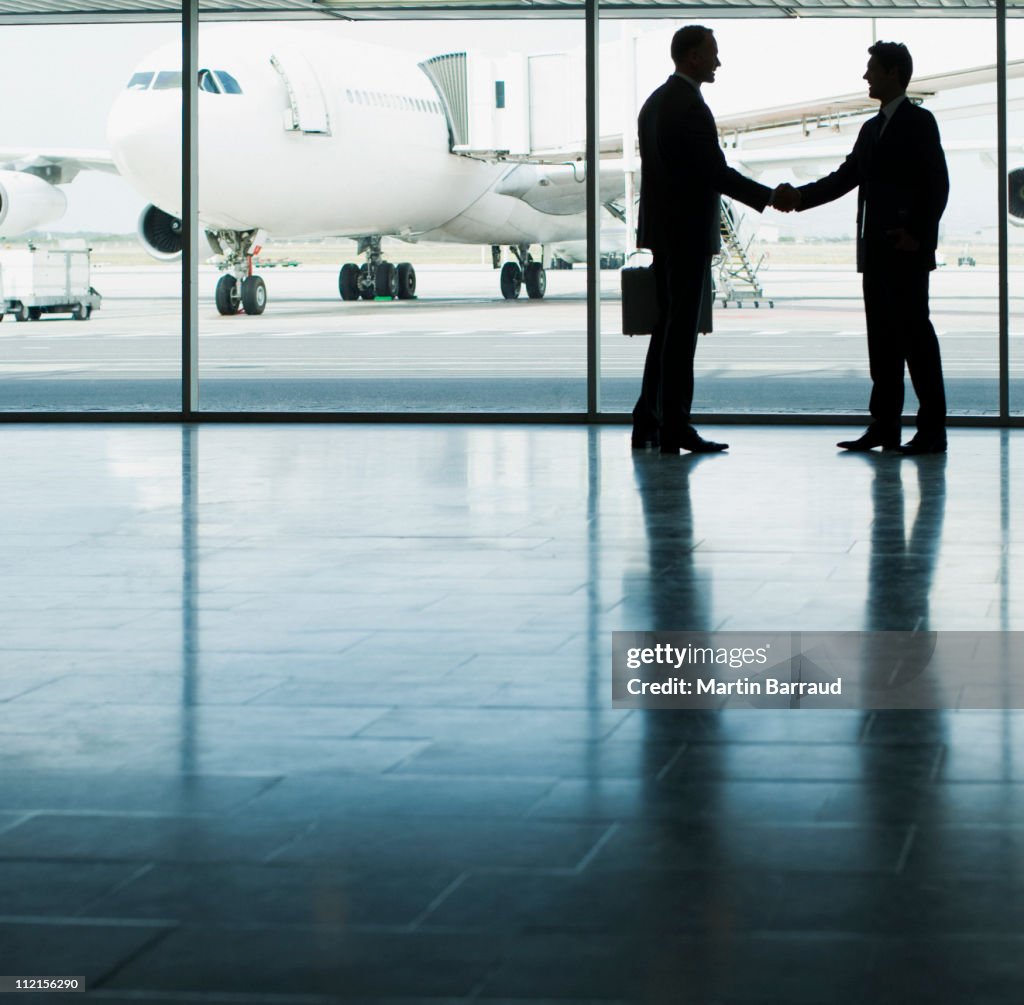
735,273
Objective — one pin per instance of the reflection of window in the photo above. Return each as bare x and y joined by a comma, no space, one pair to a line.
140,81
167,80
207,82
228,83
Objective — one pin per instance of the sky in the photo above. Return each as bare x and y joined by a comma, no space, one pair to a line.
67,76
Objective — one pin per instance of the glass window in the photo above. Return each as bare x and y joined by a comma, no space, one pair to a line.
327,340
789,331
62,356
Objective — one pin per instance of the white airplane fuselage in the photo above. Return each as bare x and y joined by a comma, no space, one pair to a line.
382,166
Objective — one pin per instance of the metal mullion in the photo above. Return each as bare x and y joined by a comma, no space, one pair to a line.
1002,173
593,134
189,203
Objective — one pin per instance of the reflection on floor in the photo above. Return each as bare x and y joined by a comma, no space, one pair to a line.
303,714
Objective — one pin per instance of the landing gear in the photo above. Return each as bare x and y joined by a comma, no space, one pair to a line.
406,281
524,269
536,280
254,295
238,289
375,277
386,281
227,295
348,282
511,280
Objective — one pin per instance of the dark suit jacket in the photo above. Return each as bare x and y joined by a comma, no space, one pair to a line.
683,172
903,182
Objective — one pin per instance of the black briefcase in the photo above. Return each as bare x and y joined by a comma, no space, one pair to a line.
639,301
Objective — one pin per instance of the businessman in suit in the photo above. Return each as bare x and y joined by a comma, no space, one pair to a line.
899,169
682,174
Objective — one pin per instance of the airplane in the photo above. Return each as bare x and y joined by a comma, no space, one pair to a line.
307,137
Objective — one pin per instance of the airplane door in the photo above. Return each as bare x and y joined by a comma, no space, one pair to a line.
307,111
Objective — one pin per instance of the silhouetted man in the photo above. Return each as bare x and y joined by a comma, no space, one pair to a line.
682,173
899,168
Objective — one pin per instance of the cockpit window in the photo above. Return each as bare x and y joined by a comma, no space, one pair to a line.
140,81
167,80
207,82
228,83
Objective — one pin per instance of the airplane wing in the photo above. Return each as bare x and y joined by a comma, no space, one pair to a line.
831,111
58,167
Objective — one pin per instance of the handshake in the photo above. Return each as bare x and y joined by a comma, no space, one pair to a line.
785,198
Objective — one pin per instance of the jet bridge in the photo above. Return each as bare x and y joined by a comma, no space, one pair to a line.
515,107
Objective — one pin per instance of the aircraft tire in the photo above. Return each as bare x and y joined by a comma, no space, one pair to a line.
34,313
536,280
511,280
254,295
82,312
226,295
386,281
348,282
406,281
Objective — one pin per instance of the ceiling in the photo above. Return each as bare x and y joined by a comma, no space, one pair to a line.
57,11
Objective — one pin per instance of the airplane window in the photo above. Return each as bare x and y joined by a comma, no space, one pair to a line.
140,81
228,83
207,82
348,95
167,80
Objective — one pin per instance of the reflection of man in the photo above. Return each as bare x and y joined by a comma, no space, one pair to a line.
900,169
682,173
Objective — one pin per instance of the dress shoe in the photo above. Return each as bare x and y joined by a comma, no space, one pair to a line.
644,438
693,443
934,443
872,438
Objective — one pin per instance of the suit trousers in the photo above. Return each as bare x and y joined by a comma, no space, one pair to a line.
900,331
666,394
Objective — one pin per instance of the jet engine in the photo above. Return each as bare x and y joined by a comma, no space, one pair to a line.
160,234
27,202
1015,180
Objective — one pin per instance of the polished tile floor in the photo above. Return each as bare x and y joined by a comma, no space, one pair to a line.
302,714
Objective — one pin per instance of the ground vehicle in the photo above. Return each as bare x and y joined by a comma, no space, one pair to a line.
41,280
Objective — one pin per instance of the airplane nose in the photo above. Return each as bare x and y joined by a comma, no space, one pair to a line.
144,134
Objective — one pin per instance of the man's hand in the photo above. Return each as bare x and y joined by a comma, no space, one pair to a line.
785,198
903,240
